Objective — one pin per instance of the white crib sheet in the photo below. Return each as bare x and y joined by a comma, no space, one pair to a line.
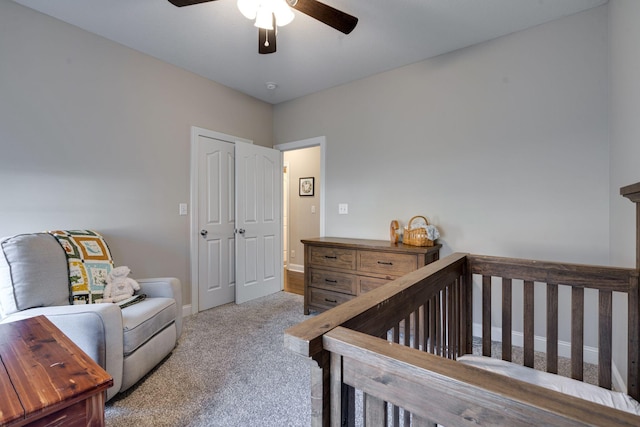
590,392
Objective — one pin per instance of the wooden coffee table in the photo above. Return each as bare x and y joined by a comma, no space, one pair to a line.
46,380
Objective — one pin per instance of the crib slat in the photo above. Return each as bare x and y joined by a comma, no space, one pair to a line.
396,416
348,406
577,332
418,327
335,388
425,326
456,319
375,411
633,375
552,328
506,319
450,317
605,339
407,331
528,323
445,311
438,310
466,304
486,316
432,325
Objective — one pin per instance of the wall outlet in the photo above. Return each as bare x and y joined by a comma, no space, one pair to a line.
293,253
343,208
182,209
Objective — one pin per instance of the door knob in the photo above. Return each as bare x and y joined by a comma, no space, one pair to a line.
241,230
204,233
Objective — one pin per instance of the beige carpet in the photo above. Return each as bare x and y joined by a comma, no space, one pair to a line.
230,368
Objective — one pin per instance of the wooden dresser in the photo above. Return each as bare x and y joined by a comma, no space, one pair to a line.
46,380
339,269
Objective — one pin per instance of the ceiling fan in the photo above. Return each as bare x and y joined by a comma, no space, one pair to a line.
328,15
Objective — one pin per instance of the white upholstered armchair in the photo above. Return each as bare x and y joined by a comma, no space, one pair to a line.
127,342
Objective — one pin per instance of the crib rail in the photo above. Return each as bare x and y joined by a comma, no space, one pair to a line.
437,390
551,276
430,311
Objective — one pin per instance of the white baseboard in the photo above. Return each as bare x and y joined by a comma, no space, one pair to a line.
186,310
590,354
296,267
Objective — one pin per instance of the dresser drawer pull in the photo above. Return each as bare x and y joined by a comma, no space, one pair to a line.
385,263
330,281
331,257
331,300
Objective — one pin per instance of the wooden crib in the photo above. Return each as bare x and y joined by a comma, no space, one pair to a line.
388,357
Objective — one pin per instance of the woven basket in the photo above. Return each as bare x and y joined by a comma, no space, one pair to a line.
418,235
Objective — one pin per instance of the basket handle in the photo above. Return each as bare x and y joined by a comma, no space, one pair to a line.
415,217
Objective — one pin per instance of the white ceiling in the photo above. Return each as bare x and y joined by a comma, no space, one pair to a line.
215,41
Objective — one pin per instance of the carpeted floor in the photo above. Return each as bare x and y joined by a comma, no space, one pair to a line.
230,368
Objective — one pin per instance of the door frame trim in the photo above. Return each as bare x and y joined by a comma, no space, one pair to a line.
318,141
194,195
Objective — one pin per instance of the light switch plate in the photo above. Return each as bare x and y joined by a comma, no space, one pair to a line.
183,209
343,208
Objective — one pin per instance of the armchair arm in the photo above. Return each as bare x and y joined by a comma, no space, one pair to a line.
165,287
95,328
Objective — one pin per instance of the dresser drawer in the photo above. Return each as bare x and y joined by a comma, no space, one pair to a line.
327,299
333,257
338,269
386,263
334,281
366,284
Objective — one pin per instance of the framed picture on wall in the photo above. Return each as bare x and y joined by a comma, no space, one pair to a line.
306,186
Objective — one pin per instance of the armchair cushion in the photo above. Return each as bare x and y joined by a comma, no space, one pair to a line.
145,319
33,273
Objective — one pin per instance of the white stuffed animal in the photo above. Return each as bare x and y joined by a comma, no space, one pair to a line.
119,287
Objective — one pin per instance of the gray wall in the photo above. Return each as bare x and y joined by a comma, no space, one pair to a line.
502,145
96,135
624,101
303,223
624,65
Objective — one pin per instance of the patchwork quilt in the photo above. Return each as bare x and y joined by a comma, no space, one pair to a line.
90,263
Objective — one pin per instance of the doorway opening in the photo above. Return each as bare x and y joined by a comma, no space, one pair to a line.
303,210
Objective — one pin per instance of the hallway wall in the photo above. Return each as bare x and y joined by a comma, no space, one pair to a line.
303,223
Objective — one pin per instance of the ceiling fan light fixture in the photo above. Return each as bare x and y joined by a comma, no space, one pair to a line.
263,10
264,18
249,8
284,14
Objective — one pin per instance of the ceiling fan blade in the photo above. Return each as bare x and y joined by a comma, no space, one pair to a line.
267,39
181,3
335,18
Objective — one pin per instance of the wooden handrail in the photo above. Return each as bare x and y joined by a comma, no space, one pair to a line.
449,393
576,275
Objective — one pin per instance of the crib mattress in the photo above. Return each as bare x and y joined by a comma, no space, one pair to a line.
582,390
